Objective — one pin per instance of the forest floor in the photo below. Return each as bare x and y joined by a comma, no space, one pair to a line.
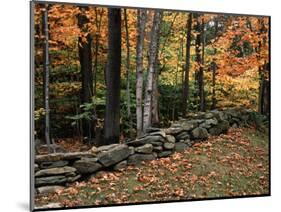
235,164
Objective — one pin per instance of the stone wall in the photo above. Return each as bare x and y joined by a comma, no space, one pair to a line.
58,169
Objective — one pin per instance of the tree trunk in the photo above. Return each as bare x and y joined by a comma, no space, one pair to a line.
174,96
261,89
214,69
128,75
197,60
139,68
96,50
45,28
151,70
97,36
112,111
264,86
185,97
85,58
266,97
201,70
264,92
155,95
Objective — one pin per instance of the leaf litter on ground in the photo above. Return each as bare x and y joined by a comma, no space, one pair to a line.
229,165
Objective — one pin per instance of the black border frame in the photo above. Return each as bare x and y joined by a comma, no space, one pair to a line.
31,90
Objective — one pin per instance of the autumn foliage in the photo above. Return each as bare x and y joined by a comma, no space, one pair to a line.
109,75
237,46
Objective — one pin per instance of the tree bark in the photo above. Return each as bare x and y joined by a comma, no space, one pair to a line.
201,70
264,87
214,69
97,36
46,70
266,97
128,75
112,111
85,58
197,59
155,95
151,70
261,91
185,97
142,14
264,92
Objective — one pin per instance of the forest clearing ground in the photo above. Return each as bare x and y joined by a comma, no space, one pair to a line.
235,164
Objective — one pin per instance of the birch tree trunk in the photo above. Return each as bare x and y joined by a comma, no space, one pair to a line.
142,15
46,76
155,95
151,70
113,78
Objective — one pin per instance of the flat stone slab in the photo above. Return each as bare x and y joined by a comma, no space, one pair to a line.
182,136
161,133
49,189
149,139
53,164
54,180
106,147
147,149
114,155
55,171
62,156
173,130
87,165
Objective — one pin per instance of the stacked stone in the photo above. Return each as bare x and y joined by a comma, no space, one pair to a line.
57,169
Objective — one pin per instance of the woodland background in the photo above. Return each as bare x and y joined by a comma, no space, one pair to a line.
18,200
109,74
